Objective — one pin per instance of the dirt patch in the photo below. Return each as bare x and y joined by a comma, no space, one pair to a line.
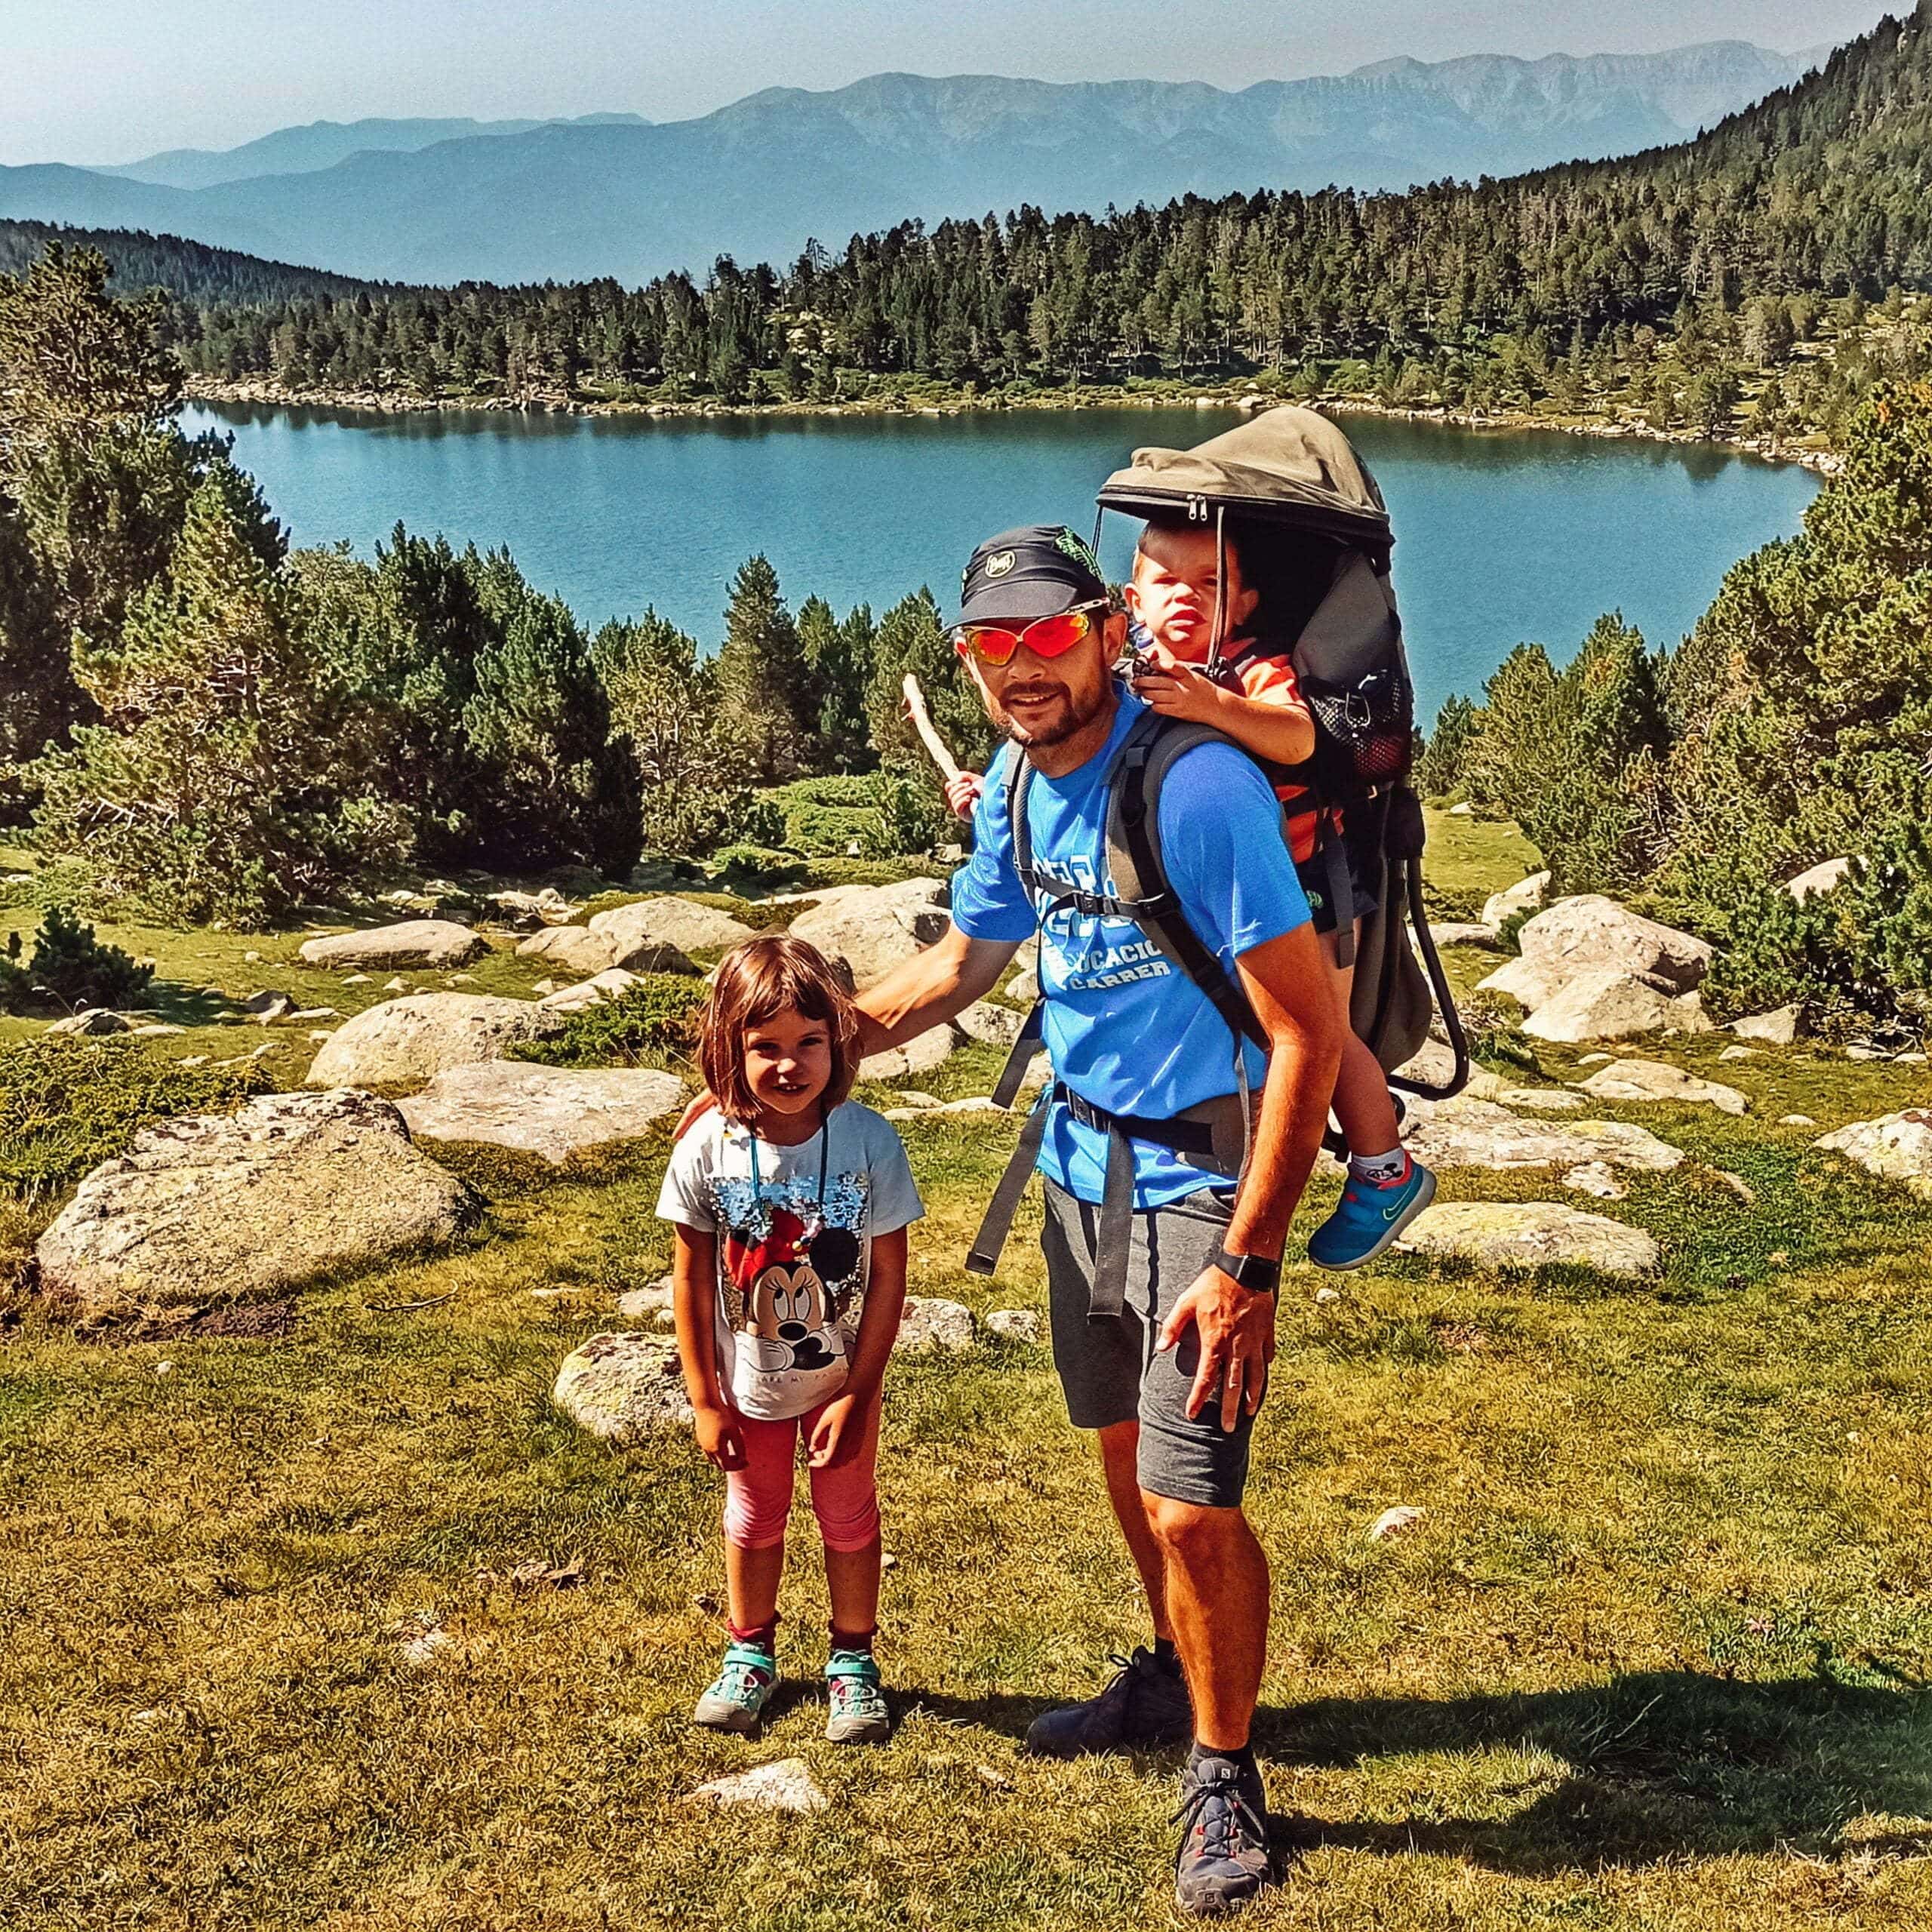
246,1322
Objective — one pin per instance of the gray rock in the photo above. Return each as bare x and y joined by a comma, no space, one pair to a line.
155,1030
1895,1147
1779,1028
408,1041
625,1387
1656,1080
1595,1177
1531,984
217,1208
650,1303
1590,933
588,993
421,944
1525,895
873,931
576,949
786,1785
1537,1099
1514,1235
1796,1120
1434,1064
995,1025
1819,879
932,1327
1463,932
1015,1324
921,1054
93,1022
550,1111
1465,1132
1397,1521
1023,988
667,921
1738,1053
268,1005
1609,1004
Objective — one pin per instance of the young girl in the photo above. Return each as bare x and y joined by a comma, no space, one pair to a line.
792,1203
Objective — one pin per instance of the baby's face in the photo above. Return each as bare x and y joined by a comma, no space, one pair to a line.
1171,590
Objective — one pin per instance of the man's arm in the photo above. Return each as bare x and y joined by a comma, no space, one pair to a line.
944,979
1287,982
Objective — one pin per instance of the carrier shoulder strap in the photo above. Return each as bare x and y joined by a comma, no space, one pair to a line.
1139,872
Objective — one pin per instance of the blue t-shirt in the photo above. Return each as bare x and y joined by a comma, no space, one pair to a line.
1124,1028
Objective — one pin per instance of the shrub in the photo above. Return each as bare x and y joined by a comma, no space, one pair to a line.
66,1105
649,1024
67,967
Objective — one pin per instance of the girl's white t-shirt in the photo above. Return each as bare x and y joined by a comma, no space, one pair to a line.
794,1255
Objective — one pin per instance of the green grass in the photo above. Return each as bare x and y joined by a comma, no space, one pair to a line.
1654,1658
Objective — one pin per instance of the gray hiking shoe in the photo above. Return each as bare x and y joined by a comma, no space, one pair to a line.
1145,1708
858,1715
1224,1860
741,1691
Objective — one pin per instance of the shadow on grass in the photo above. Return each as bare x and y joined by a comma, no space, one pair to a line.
1656,1766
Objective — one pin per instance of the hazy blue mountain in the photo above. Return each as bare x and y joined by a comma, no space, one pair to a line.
322,144
756,179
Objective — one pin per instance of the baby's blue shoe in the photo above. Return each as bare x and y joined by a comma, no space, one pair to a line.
1370,1215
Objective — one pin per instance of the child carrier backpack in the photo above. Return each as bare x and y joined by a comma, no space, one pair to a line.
1288,476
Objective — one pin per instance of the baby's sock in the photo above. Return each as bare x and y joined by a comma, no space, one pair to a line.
1380,1168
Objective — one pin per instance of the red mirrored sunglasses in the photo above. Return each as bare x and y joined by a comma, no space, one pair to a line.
1050,637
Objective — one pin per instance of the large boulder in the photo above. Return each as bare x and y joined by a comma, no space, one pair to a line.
587,993
422,944
550,1111
1531,984
1610,1004
1590,933
667,921
1467,1133
217,1208
1896,1147
870,932
1531,1234
623,1387
576,949
992,1024
920,1054
408,1041
1657,1080
1525,895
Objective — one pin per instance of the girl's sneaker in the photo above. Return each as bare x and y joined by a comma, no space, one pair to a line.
1370,1215
741,1691
858,1715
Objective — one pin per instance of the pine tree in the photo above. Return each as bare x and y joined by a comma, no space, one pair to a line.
768,699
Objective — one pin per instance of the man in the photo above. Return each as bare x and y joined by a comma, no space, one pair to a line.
1169,1376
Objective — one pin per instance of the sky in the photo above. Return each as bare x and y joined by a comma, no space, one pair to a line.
110,81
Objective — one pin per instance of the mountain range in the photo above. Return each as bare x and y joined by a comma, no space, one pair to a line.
506,202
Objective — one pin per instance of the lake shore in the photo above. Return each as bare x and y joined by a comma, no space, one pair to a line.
389,402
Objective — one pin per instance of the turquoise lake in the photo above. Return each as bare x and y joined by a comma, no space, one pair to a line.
1501,536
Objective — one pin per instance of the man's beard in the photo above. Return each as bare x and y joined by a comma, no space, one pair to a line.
1073,716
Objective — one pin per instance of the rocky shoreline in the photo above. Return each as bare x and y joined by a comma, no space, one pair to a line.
540,402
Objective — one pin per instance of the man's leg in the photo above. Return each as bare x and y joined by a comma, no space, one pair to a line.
1120,1453
1216,1580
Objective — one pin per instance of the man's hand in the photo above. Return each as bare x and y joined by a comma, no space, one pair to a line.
839,1430
1236,1326
1179,690
962,793
717,1432
705,1102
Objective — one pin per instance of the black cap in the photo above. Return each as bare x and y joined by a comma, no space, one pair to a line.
1036,571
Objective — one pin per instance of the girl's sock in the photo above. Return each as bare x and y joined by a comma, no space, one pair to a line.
763,1636
844,1639
1378,1168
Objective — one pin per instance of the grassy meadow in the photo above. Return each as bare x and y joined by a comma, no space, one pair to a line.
276,1655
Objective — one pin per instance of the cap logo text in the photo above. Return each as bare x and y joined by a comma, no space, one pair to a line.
999,565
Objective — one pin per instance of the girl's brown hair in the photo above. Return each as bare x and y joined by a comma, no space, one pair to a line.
757,979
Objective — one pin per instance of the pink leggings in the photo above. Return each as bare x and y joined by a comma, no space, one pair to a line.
758,1498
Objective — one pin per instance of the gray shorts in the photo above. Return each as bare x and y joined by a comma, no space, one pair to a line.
1109,1369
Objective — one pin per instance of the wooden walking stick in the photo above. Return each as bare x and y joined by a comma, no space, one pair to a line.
922,723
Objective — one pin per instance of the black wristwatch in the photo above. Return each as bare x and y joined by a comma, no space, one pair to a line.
1251,1270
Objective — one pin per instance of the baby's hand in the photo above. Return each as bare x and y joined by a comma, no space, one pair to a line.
962,793
1179,691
